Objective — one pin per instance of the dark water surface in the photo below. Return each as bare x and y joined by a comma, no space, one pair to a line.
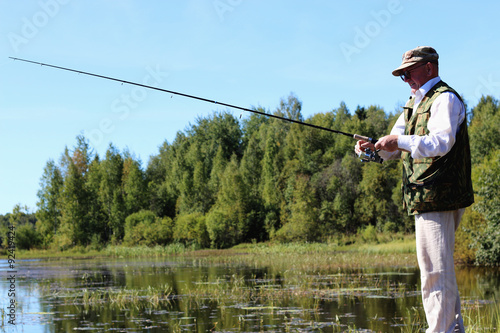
63,296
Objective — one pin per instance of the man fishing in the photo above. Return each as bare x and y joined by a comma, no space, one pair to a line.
431,138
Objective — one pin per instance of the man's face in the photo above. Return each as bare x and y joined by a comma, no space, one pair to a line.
417,75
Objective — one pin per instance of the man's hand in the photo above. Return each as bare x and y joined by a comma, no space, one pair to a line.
388,143
362,145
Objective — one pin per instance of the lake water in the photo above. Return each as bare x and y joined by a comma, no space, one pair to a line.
192,295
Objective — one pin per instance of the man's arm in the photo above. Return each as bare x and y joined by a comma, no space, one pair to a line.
447,113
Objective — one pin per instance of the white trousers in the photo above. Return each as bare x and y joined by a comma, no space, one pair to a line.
435,235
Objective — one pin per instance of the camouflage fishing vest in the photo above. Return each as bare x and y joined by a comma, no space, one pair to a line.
436,183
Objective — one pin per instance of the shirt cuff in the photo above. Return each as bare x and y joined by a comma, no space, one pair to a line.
386,156
404,142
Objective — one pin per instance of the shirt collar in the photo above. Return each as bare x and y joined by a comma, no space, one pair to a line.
420,93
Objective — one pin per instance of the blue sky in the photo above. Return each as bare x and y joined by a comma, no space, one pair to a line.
242,52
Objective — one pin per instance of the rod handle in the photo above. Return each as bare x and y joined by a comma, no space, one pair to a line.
364,138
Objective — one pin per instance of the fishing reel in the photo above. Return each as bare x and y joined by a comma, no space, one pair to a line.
370,156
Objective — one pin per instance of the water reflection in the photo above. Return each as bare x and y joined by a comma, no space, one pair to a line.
66,296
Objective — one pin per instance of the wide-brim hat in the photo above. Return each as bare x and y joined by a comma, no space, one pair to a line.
418,54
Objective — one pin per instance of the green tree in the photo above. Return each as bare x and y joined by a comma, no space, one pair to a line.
343,122
376,122
484,128
26,236
303,221
227,221
487,241
252,125
75,227
321,144
403,222
337,190
291,108
374,204
145,228
110,193
73,208
161,182
49,212
134,186
250,171
272,164
192,229
218,167
96,215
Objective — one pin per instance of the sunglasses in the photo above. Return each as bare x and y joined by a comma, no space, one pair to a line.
406,74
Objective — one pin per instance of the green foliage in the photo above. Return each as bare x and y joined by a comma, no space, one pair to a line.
227,221
487,240
368,234
27,237
161,188
374,203
407,223
484,128
49,211
74,205
111,194
192,229
485,140
303,222
22,224
145,228
134,186
465,244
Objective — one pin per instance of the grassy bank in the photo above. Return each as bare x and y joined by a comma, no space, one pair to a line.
393,251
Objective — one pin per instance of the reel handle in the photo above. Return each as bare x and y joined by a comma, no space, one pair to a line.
364,138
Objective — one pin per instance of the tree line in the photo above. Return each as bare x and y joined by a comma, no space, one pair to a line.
224,181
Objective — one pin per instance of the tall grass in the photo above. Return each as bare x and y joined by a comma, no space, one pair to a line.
384,244
478,317
145,251
120,251
121,298
316,257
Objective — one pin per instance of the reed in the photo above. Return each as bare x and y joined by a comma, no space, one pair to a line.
122,298
313,257
481,317
477,316
393,245
144,251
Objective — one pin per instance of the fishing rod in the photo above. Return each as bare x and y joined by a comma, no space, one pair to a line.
366,156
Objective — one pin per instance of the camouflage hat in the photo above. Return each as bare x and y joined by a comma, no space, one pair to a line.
419,54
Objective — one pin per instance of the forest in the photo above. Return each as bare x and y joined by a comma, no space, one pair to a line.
225,181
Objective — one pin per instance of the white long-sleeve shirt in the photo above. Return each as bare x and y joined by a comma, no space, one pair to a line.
446,114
